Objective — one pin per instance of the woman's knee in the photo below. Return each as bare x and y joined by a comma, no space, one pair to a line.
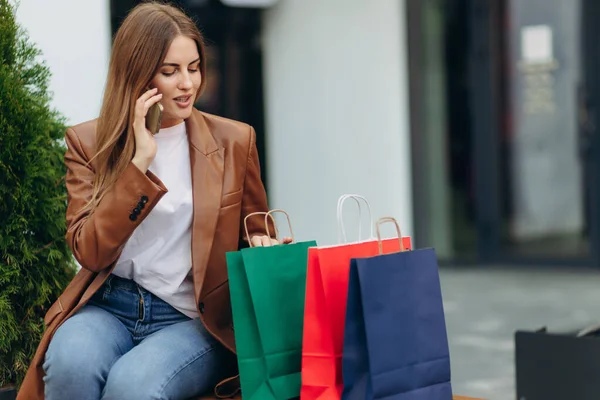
124,384
84,346
158,378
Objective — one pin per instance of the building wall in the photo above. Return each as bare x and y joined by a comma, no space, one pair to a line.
337,111
74,37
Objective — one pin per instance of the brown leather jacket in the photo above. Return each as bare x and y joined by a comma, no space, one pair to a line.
227,187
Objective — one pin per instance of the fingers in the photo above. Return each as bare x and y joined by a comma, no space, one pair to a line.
145,102
262,241
147,94
150,102
256,241
265,241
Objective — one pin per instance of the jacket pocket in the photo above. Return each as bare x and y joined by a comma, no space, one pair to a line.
232,198
53,312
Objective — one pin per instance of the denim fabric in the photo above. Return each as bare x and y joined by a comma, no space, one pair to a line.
127,343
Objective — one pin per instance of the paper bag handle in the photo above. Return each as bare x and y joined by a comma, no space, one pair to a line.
382,221
266,214
341,228
278,210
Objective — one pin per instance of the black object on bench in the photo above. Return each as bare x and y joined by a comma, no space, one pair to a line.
558,366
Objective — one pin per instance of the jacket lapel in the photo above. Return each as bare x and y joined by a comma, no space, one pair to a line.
206,159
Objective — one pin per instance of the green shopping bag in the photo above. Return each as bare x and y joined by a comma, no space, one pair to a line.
267,299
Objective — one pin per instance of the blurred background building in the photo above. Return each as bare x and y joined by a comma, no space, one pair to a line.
472,122
503,131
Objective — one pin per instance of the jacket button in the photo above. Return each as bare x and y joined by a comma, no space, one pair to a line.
132,217
136,211
201,307
141,205
144,199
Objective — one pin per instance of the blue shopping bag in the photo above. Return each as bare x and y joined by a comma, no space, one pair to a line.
395,341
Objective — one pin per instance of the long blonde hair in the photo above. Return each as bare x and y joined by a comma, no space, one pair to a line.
139,49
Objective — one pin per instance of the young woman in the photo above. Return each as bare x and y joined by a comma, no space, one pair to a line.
150,218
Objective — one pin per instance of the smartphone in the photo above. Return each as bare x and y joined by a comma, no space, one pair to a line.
153,118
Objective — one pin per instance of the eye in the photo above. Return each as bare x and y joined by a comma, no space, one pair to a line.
193,70
168,73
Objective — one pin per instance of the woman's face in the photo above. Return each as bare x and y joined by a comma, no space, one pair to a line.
178,79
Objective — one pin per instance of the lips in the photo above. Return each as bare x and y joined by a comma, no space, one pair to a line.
183,99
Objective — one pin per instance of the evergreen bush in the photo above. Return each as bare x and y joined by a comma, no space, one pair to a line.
35,261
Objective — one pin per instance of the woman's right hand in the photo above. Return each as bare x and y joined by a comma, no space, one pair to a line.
145,144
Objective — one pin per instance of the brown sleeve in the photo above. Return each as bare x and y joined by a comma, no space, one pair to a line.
254,198
96,239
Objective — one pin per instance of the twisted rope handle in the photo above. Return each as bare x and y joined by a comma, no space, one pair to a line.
382,221
266,214
341,228
277,210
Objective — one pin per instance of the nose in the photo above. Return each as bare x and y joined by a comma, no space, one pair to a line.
185,83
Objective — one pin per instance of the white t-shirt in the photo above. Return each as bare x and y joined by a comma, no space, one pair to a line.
158,255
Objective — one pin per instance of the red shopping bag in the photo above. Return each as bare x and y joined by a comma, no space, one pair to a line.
325,311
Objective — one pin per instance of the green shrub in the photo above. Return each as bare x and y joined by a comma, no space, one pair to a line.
35,261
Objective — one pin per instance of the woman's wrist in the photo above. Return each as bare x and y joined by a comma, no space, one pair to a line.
142,163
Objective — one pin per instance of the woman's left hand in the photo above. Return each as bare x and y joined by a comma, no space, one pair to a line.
265,241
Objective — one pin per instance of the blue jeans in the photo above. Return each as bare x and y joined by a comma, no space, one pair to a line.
127,343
